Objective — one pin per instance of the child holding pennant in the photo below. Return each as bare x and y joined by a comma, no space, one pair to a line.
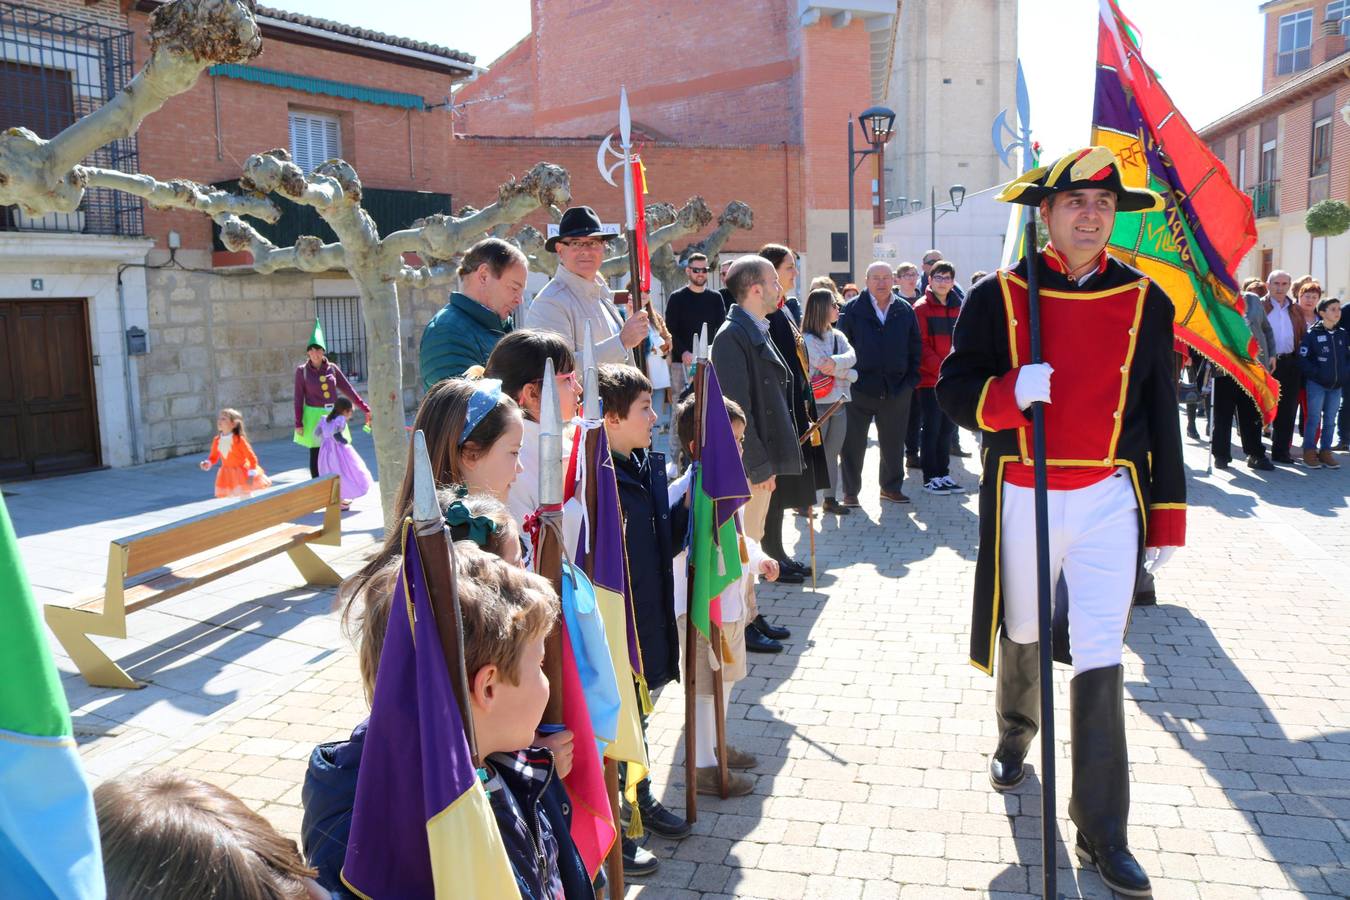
723,561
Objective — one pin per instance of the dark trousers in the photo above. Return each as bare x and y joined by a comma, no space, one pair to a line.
936,443
1229,399
1290,377
1343,420
892,417
772,542
913,431
313,462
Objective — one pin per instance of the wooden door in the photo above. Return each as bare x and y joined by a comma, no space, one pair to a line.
48,422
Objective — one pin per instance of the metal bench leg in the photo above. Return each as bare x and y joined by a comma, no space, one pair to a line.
73,627
312,567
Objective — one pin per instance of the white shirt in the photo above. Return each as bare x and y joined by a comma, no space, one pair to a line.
733,595
1283,328
881,313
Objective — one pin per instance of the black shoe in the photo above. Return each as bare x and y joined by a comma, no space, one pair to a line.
1017,706
755,642
912,462
1100,802
1221,463
1117,867
1192,433
834,507
777,632
788,577
959,453
791,565
1146,598
659,820
1260,463
638,861
1283,459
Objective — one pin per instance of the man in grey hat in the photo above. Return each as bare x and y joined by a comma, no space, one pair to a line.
577,294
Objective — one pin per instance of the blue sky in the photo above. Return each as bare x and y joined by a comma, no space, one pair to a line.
1207,52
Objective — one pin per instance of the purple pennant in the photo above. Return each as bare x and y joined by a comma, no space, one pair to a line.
723,474
416,759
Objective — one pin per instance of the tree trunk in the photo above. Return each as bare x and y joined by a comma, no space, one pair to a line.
384,353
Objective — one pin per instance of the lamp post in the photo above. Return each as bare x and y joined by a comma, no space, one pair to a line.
958,194
878,125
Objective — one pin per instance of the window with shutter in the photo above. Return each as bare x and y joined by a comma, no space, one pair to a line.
315,138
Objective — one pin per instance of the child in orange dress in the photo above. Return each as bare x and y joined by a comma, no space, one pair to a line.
240,475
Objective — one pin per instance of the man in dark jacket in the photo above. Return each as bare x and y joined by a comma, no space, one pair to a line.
885,335
462,334
688,310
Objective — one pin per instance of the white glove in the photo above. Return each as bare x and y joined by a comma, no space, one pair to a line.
1156,557
1033,385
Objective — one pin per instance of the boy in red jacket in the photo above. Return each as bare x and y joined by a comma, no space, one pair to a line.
936,312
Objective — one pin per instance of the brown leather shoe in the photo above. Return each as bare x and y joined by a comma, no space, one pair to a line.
894,496
706,782
1328,460
1310,459
740,759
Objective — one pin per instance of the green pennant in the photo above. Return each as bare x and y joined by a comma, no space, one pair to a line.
316,339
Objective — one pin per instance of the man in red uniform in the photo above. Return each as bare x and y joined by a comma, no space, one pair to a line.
1117,483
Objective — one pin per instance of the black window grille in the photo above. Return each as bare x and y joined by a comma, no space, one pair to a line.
345,331
392,210
53,70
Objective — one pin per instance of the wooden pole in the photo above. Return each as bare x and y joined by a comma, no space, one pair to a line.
690,632
1045,591
548,542
437,553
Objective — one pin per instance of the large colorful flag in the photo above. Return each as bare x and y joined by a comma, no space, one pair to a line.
719,489
1192,246
591,708
422,827
602,554
49,845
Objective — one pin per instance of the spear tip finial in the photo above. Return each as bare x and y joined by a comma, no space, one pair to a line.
426,508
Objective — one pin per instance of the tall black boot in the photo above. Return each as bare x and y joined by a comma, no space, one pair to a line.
1100,804
1017,705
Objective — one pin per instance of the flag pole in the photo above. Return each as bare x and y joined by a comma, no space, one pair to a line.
1049,837
437,554
714,629
548,542
591,411
690,632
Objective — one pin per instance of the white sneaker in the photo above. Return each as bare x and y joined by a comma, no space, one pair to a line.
936,486
951,486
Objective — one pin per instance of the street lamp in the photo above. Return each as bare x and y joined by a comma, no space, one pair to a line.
878,124
957,193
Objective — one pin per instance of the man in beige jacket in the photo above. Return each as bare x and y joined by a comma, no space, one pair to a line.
577,294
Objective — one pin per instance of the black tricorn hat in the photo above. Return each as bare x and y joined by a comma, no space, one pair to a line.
577,222
1092,168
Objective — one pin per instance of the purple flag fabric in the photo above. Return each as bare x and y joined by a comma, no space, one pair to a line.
406,840
723,475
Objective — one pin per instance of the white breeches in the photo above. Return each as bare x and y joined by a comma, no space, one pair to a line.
1094,543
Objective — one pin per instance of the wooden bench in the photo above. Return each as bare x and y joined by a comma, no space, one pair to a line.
154,565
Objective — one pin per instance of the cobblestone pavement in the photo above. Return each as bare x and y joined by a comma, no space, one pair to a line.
872,730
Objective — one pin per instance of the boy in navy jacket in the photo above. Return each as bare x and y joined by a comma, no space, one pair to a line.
1325,359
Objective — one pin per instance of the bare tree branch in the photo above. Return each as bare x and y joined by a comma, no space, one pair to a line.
180,193
666,264
693,217
308,255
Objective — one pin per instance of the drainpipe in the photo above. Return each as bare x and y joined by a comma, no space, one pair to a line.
132,425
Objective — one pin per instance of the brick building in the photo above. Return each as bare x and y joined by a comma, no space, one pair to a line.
1290,147
151,342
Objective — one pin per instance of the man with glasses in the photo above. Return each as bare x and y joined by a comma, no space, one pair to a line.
930,259
687,311
578,294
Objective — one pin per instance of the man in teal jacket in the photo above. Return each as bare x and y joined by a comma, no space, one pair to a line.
491,285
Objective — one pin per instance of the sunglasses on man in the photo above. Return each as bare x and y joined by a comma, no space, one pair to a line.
697,271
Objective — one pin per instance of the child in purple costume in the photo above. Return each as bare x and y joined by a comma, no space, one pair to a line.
337,456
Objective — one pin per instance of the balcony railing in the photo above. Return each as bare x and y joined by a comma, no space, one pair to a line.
1265,198
391,210
53,70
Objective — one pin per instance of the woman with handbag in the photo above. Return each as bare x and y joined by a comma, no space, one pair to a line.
831,360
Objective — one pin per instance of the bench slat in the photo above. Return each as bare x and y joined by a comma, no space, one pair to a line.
159,547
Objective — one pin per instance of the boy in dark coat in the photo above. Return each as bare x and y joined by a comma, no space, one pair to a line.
652,534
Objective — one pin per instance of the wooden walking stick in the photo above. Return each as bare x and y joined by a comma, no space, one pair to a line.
437,553
1044,589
